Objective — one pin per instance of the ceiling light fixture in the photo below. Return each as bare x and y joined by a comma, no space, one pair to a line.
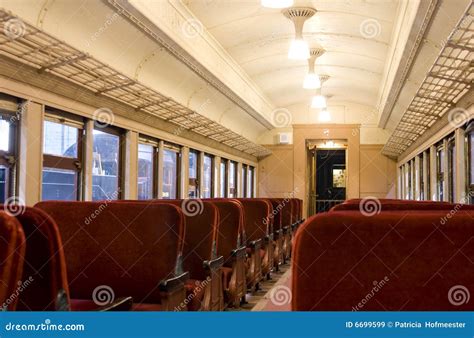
299,49
277,3
312,81
319,100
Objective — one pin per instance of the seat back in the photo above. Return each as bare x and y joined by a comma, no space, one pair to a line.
231,226
12,252
257,212
286,212
390,261
45,264
200,239
277,205
123,248
372,205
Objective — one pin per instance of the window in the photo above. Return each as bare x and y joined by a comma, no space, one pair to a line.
243,185
223,182
470,161
451,169
106,164
408,180
440,153
7,156
250,182
208,177
62,158
147,169
193,185
422,178
170,172
428,176
232,179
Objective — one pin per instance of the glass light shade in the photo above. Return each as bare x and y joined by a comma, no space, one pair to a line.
319,101
277,3
311,81
324,115
299,50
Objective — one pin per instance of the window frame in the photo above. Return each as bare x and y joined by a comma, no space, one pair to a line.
149,141
235,180
62,162
244,179
451,154
194,182
225,163
121,153
9,158
468,159
177,150
212,183
440,184
252,181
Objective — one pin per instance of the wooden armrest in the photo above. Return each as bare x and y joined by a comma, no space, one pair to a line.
172,284
121,304
214,264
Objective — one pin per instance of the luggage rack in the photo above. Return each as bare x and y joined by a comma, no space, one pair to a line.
31,46
448,80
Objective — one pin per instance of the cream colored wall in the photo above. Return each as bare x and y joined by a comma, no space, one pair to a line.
369,173
378,173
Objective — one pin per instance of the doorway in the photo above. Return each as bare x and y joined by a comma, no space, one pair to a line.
327,178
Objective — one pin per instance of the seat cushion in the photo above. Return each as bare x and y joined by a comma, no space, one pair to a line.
194,294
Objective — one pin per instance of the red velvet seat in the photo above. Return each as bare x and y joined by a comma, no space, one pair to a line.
231,247
204,291
378,205
257,232
278,237
117,250
394,260
286,222
12,251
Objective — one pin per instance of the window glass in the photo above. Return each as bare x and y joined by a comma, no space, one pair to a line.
207,179
223,178
61,162
106,166
232,180
170,174
193,174
243,181
5,151
452,170
422,178
440,172
250,181
59,139
4,135
145,171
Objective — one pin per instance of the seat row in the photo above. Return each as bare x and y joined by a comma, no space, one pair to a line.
377,255
142,255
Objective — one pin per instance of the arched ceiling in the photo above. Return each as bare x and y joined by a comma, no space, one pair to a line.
356,35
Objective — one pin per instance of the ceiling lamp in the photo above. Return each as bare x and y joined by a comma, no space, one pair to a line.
299,49
319,101
277,3
312,81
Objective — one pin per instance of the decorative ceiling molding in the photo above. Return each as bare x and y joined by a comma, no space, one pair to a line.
412,44
449,79
149,28
30,46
